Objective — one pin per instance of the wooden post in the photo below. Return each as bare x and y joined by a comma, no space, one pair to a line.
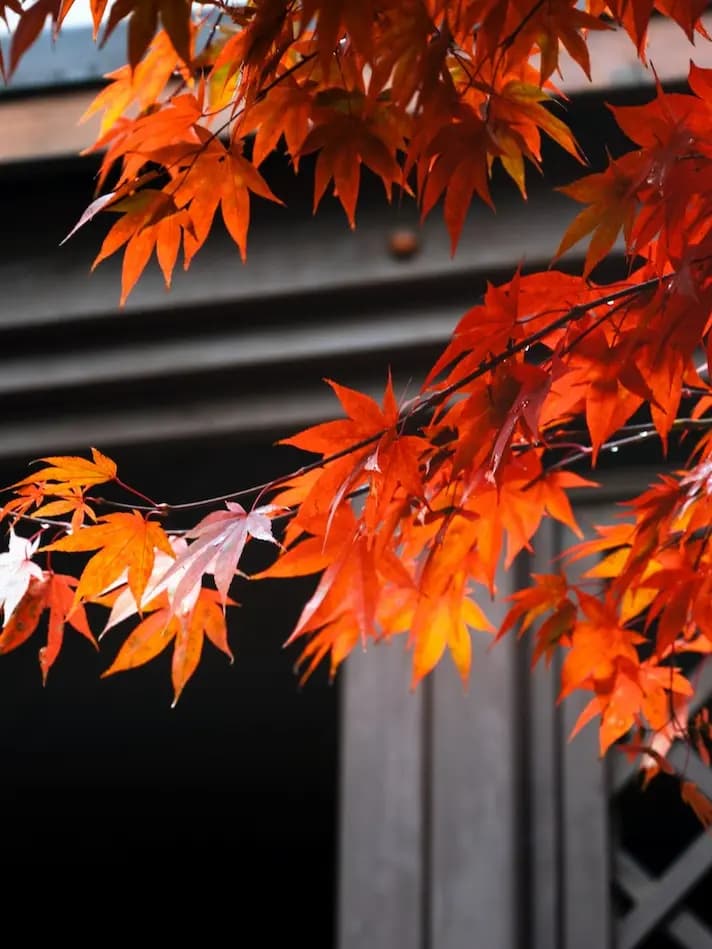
382,824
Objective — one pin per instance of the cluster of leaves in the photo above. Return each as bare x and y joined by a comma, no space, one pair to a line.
424,91
409,508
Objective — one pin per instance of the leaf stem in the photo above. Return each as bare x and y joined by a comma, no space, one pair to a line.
139,494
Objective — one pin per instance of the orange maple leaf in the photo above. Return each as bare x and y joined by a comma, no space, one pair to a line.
72,500
55,593
374,451
162,626
68,471
346,137
143,84
613,202
125,542
210,176
143,25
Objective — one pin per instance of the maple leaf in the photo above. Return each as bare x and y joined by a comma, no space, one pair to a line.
29,26
409,55
27,497
380,455
332,17
346,139
139,213
143,84
16,572
516,118
552,25
444,622
60,599
72,501
350,593
311,554
365,420
612,199
596,644
120,599
143,25
218,542
603,658
125,541
14,6
457,166
548,594
187,632
635,18
25,617
284,111
336,638
53,592
212,176
610,382
512,399
513,509
69,471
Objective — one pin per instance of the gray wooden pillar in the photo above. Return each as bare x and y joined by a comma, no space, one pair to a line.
382,820
567,828
586,866
428,824
467,818
543,832
473,880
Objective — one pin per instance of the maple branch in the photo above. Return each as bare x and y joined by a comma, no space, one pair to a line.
409,411
165,508
213,30
43,521
295,67
592,327
571,315
678,423
637,433
508,40
282,479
